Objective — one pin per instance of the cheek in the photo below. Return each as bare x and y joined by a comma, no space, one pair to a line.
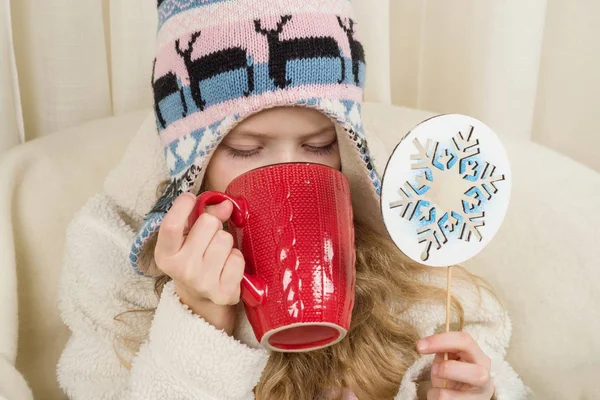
219,173
337,160
334,160
223,169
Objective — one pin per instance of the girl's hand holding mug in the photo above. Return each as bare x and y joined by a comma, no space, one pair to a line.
206,269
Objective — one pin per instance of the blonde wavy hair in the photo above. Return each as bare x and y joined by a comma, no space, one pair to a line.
380,345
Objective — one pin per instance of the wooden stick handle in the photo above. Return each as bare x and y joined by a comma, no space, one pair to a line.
448,285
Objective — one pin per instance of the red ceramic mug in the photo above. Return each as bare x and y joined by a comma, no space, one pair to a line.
293,223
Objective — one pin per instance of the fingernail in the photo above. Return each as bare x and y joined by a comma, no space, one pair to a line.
435,368
422,345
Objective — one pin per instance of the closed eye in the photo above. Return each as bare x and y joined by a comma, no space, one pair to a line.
249,153
321,150
237,153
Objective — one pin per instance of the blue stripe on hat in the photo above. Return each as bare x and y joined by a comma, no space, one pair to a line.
234,84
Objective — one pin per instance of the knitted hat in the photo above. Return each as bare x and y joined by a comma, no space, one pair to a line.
220,61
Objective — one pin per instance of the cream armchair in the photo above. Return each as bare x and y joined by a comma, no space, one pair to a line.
544,262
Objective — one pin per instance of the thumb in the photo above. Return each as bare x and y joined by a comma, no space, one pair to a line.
222,210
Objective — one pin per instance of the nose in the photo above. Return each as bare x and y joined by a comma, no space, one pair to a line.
288,156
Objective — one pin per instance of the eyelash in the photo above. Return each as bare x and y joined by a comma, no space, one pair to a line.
234,153
320,151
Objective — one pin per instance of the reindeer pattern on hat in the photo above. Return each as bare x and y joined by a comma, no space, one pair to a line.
203,68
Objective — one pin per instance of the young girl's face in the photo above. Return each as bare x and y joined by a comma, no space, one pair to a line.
278,135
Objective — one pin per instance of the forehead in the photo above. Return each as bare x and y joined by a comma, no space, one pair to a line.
291,121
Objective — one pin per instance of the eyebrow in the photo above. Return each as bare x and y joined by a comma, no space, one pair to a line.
259,135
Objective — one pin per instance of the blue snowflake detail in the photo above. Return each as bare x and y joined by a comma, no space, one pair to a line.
427,201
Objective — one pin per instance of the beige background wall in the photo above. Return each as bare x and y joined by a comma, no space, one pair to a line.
526,68
568,97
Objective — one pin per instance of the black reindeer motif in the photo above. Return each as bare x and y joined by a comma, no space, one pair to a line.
213,64
164,87
356,49
282,51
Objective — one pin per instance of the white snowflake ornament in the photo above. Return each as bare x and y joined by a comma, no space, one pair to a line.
445,190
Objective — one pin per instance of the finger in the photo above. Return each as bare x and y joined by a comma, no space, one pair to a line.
215,258
436,382
449,394
171,231
222,210
218,250
439,357
460,343
231,276
457,371
200,236
206,226
234,268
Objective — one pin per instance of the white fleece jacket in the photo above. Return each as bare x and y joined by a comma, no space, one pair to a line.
183,357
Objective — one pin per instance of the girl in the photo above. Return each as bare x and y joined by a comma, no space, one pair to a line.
153,304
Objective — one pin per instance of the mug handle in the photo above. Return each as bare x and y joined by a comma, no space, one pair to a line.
254,289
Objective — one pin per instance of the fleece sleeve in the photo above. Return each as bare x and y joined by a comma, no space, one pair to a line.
489,325
205,363
181,355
